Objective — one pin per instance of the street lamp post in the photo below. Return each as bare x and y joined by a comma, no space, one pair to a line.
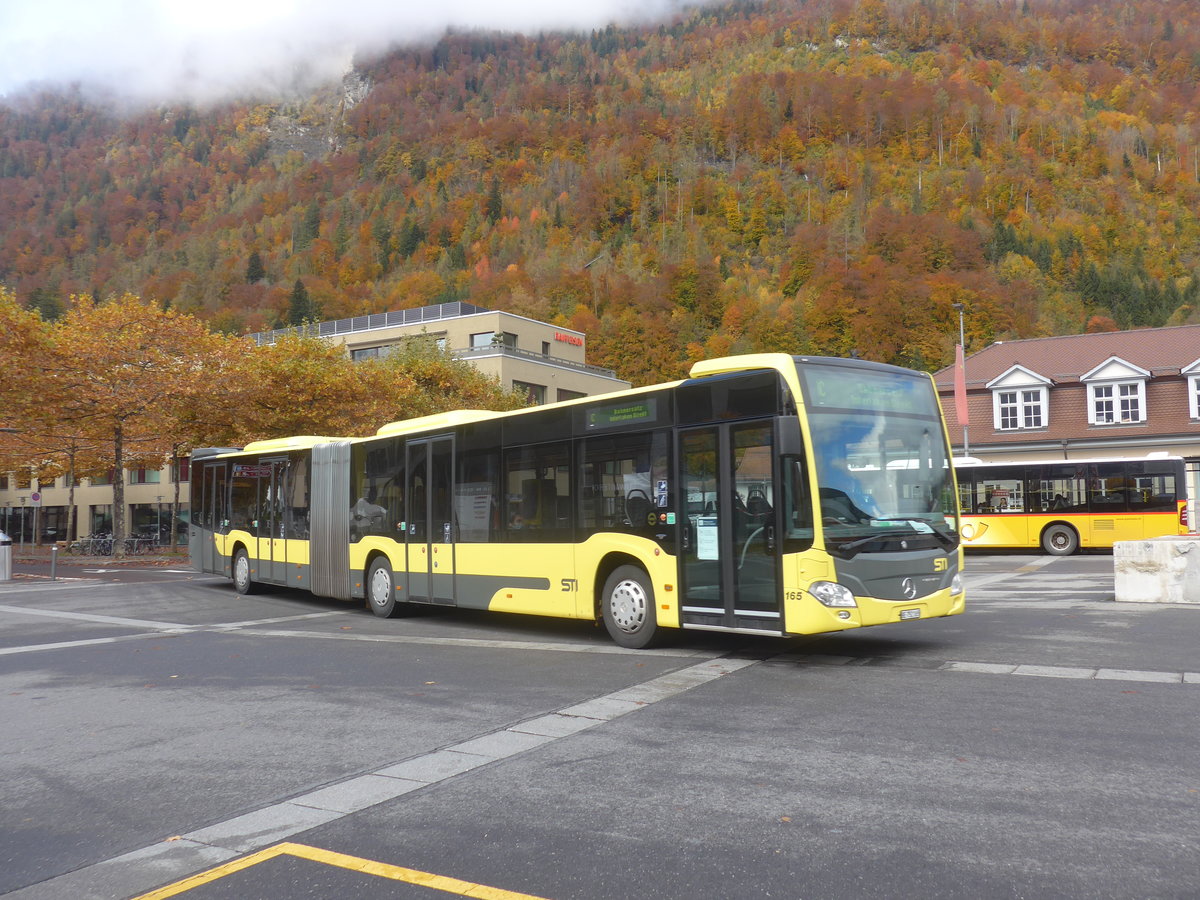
961,362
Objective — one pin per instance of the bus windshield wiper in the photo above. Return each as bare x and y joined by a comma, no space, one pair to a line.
924,530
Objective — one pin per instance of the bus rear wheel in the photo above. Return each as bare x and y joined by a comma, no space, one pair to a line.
1060,540
627,606
243,581
381,589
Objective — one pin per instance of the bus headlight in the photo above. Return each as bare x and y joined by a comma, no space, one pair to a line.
831,594
956,584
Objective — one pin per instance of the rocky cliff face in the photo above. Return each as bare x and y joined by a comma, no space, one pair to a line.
312,129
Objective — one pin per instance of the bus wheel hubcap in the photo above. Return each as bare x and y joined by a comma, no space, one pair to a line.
628,606
381,588
243,570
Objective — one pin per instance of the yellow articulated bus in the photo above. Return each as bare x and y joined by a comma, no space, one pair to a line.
1063,505
764,494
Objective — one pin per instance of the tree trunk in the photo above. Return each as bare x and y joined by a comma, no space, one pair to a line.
118,534
175,502
70,498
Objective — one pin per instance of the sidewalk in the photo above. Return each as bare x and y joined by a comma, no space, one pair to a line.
42,556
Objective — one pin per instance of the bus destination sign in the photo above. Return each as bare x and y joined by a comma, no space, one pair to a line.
625,414
245,471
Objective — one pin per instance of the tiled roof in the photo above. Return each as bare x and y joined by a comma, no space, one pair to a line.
1163,351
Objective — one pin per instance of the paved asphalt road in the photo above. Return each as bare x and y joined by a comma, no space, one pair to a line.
1043,745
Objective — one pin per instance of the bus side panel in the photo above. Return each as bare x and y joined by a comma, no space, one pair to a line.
519,578
299,571
1013,530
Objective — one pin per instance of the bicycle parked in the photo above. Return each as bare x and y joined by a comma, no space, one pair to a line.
101,544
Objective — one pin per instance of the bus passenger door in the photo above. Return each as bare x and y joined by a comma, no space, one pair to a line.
730,559
272,556
430,520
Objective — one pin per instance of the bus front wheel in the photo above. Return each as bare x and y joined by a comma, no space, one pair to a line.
243,581
381,589
627,606
1060,540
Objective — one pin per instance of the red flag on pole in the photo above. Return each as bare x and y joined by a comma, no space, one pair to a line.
960,385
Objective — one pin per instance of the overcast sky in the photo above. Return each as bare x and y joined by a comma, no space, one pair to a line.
160,50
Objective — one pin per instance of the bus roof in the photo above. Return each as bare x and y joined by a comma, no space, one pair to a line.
298,442
437,420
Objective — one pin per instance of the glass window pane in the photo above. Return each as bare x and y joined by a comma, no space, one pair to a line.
1106,488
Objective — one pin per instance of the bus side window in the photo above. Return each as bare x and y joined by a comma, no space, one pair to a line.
538,483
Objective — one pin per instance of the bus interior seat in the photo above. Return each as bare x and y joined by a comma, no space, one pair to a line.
637,507
539,502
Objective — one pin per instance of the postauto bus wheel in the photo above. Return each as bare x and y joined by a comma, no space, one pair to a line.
1060,540
627,606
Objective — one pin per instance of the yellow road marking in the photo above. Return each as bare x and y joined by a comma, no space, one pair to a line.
341,860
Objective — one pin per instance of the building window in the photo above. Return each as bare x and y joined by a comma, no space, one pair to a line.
1024,408
1117,403
4,478
494,339
144,476
1007,401
181,469
1194,396
535,392
365,353
564,394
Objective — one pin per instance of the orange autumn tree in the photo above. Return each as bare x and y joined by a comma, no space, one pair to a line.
306,385
23,341
24,346
119,374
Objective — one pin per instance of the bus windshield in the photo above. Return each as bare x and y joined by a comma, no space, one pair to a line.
882,465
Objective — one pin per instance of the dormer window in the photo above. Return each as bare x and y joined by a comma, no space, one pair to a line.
1116,393
1192,373
1019,400
1113,403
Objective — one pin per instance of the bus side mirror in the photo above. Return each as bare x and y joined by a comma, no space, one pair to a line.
788,440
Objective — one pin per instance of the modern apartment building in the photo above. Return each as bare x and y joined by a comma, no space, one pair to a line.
545,361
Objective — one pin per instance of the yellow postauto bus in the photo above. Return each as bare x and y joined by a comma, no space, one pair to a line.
755,496
1062,505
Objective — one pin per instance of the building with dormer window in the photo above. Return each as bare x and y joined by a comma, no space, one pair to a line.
1120,393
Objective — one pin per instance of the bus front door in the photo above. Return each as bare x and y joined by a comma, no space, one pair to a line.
430,518
211,518
730,562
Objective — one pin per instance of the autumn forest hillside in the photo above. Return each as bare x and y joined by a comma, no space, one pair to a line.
827,176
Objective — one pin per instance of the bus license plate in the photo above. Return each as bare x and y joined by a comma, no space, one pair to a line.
910,614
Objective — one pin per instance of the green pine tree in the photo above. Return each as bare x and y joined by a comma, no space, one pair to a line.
300,307
255,272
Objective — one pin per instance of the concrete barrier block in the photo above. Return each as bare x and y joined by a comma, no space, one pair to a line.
1158,570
